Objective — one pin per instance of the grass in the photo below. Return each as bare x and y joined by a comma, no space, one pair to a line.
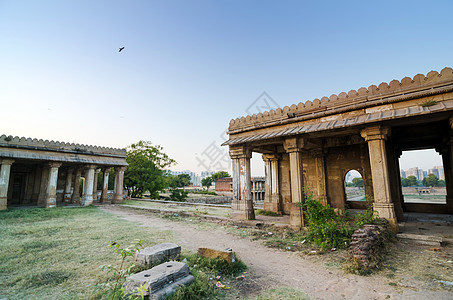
267,213
57,253
196,209
207,272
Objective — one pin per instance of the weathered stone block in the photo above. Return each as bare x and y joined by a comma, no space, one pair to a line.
212,253
159,253
160,281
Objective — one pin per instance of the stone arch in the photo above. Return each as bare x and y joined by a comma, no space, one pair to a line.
354,192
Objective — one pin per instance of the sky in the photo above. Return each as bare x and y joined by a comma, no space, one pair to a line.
189,67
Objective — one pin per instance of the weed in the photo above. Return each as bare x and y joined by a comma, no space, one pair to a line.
266,213
428,103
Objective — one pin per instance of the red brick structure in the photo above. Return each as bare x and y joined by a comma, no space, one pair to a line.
224,185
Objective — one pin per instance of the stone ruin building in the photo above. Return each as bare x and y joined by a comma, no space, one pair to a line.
46,173
314,144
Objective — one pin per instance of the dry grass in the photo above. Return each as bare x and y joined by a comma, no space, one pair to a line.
57,253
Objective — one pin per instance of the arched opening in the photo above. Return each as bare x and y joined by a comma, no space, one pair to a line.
422,181
354,188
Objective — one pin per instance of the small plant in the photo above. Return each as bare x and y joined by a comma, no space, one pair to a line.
326,228
368,216
178,195
266,213
119,273
428,103
204,192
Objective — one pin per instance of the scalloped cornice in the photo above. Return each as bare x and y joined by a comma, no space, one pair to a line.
363,97
22,142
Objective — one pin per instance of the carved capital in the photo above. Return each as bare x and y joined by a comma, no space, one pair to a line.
271,157
107,170
91,166
293,144
375,133
120,169
240,152
54,164
6,161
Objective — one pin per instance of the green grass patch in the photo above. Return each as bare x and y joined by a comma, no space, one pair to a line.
204,193
266,213
207,273
57,253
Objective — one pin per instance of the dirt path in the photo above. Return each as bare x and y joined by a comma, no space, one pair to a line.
271,268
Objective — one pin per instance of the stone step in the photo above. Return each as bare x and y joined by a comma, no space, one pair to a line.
421,239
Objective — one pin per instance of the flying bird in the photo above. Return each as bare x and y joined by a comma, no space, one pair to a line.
121,49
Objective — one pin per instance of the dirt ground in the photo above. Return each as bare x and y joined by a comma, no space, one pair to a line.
270,268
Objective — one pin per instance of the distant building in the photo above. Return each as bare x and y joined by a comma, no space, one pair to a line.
403,173
440,172
195,179
223,185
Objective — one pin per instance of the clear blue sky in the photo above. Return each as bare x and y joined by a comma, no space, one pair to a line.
188,67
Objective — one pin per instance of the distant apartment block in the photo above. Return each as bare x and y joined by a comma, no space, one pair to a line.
420,173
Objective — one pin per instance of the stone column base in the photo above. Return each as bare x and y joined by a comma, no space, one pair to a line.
117,199
241,210
274,207
3,203
296,218
387,211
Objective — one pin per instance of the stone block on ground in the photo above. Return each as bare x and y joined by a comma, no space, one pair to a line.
157,254
212,253
160,281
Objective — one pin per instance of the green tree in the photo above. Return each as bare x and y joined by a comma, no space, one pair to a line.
358,182
178,181
412,181
207,182
145,171
441,182
220,174
404,182
431,180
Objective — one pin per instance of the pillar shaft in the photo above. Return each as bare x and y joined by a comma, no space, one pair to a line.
375,137
51,185
68,186
5,172
119,178
95,184
76,192
88,188
321,188
273,199
43,186
242,204
105,185
447,158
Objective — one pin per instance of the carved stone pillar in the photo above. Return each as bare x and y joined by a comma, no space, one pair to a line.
5,172
87,198
51,185
43,186
95,184
119,178
447,157
68,186
37,183
273,199
242,204
76,193
375,137
105,185
321,189
294,146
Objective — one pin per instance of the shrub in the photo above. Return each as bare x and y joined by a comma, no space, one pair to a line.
326,228
266,213
178,195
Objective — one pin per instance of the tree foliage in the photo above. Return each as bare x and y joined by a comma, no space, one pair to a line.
177,181
145,171
409,181
358,182
207,181
431,180
220,174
